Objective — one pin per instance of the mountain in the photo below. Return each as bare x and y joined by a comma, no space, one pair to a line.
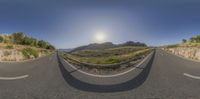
132,43
106,45
95,46
66,50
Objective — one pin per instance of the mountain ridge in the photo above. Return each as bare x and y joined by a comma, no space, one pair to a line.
106,45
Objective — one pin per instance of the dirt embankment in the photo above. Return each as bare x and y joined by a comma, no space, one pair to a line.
11,52
17,55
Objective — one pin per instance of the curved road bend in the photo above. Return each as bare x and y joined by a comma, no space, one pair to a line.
48,78
107,83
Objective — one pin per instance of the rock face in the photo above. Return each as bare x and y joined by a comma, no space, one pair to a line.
188,52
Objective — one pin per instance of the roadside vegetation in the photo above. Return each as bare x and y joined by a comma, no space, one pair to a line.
108,56
20,38
22,47
29,53
192,42
189,48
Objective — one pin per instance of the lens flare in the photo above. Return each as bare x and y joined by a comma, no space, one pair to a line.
100,37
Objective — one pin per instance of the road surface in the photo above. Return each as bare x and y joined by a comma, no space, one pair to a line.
161,75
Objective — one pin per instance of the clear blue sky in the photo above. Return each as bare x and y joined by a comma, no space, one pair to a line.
71,23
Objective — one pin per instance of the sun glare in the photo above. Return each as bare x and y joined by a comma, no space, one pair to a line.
100,37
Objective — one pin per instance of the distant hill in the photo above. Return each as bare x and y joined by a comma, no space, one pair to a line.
132,43
106,45
66,50
95,46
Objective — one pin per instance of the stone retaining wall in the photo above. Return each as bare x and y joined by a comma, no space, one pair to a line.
188,52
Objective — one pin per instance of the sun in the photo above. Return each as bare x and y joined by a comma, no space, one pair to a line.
100,37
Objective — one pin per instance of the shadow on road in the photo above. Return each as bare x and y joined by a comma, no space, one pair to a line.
129,85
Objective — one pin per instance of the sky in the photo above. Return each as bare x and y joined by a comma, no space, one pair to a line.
72,23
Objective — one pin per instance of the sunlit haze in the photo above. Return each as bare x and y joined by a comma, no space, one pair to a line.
100,37
72,23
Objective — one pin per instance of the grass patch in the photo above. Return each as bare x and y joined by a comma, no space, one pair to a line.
6,53
30,53
173,46
9,47
107,52
110,58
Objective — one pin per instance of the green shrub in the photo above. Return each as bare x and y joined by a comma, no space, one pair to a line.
1,39
195,39
7,53
112,60
9,47
42,44
172,46
28,52
18,37
5,41
50,47
21,38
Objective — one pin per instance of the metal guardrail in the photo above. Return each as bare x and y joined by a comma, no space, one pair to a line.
101,65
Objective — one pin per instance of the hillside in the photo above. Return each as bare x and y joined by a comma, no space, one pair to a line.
108,56
108,53
107,45
19,46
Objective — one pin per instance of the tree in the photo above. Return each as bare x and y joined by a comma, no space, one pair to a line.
195,39
26,40
198,38
50,47
192,39
18,37
42,44
184,40
1,39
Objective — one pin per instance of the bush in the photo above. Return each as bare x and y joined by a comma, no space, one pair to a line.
29,52
18,37
172,46
42,44
9,47
27,41
184,40
30,41
23,39
7,53
1,39
112,60
195,39
50,47
5,41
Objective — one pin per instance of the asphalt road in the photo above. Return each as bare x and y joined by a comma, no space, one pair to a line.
161,75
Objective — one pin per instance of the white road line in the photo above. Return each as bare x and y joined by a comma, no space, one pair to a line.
191,76
13,78
114,75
